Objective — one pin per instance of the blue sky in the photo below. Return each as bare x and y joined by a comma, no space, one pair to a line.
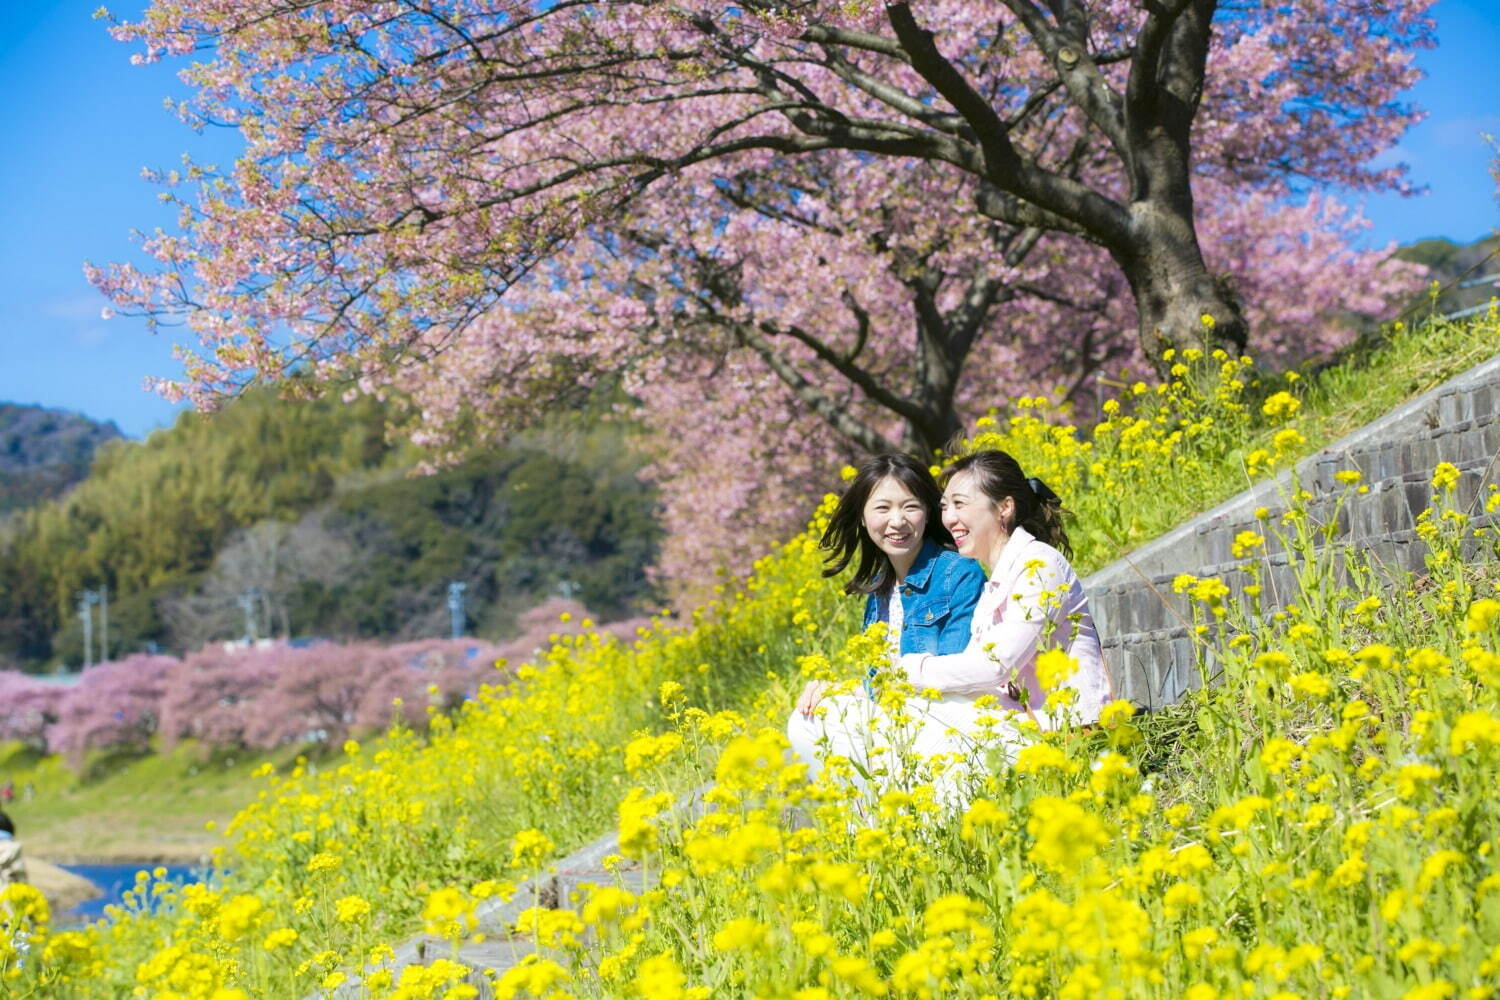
81,122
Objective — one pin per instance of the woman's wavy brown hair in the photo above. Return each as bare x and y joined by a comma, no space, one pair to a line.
846,536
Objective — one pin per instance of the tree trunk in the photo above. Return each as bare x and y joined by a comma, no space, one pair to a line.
938,371
937,430
1172,285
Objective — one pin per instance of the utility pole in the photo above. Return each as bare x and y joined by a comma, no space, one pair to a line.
456,607
86,600
247,602
103,623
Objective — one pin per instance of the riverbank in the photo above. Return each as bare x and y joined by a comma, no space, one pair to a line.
100,843
64,890
166,808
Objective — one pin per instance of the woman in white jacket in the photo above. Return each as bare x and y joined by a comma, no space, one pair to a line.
1032,602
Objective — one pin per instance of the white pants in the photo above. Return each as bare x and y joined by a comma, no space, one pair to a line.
889,754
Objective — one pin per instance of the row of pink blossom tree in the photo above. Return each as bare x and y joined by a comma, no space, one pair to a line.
263,698
795,231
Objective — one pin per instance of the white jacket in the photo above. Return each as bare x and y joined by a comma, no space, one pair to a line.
12,868
1030,586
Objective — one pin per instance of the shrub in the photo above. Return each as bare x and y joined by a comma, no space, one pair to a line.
27,708
113,706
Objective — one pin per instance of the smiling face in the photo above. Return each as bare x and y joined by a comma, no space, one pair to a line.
896,521
979,525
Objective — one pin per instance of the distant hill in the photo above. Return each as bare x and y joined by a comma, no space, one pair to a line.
43,452
1463,263
274,517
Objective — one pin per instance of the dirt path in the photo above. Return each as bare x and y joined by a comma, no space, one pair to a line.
118,838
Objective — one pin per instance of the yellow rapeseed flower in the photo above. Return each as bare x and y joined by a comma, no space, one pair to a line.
1064,834
1281,406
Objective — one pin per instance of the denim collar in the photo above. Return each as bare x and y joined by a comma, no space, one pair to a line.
921,567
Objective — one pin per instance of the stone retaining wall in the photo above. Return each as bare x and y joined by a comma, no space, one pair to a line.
1143,625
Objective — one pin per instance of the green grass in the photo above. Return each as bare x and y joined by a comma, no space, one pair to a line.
152,808
1381,376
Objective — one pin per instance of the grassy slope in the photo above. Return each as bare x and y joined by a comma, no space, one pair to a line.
1370,379
156,808
149,809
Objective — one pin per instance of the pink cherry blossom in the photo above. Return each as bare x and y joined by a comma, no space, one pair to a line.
792,232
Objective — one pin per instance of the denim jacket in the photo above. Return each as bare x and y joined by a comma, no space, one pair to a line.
937,601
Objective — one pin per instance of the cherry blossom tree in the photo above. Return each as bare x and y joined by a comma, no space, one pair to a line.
408,162
28,708
114,706
857,220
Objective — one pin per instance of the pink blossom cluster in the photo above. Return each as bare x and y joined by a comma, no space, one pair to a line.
28,707
265,697
477,213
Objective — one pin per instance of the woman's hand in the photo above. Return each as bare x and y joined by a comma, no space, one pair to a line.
812,693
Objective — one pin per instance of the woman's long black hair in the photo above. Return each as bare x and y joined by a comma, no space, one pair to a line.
846,535
1038,509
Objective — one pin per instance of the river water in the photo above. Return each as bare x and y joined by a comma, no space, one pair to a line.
113,881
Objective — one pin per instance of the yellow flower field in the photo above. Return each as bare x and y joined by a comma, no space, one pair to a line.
1319,824
1324,826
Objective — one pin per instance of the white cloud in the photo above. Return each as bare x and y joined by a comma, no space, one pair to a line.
83,316
1465,132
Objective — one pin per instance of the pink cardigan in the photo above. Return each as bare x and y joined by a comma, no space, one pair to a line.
1007,633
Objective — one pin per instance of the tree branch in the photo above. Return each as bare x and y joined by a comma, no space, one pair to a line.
860,378
1002,206
836,416
1056,202
897,98
1067,50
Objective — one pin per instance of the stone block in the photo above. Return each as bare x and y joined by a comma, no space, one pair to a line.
1485,400
1386,461
1101,606
1492,438
1144,609
1131,668
1412,553
1127,608
1450,408
1122,609
1364,511
1474,448
1181,664
1425,454
1418,499
1362,463
1127,617
1213,545
1467,488
1318,474
1449,449
1392,513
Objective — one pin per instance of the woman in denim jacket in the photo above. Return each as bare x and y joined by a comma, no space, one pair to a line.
889,519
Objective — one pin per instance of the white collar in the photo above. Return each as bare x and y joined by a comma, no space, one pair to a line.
1004,570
